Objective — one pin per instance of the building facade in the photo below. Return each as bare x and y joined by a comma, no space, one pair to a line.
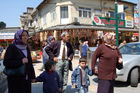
7,35
83,19
26,20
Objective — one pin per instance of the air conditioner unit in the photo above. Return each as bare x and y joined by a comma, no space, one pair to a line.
75,19
107,14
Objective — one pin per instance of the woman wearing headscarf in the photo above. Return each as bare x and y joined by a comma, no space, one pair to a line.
50,39
18,54
108,55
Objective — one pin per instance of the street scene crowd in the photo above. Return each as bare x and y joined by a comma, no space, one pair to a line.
57,61
70,46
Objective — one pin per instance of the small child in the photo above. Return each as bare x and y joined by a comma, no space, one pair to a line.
50,78
79,77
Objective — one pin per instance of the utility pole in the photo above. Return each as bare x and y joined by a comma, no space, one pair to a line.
116,22
139,20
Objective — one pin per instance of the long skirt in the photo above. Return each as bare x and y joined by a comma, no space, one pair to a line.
18,85
105,86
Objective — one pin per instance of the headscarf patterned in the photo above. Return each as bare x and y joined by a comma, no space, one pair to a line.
49,39
18,37
109,40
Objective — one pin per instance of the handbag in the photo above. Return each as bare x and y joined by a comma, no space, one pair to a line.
119,65
19,71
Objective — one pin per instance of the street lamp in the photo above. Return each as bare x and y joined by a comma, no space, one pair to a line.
116,22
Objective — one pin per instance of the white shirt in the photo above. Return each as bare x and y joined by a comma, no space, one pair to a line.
61,50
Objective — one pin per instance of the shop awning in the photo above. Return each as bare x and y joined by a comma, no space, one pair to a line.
6,35
60,27
4,40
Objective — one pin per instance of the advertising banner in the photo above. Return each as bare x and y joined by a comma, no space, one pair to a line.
111,22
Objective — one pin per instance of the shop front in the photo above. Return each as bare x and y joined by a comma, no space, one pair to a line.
92,32
125,28
76,33
6,38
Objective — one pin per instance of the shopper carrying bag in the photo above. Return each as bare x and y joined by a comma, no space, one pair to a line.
16,56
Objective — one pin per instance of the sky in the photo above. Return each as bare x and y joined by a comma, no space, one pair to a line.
10,10
134,1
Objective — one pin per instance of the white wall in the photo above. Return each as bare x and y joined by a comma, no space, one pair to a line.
73,8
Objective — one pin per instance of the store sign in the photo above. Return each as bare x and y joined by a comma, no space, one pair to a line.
107,21
135,34
136,20
129,24
128,17
7,35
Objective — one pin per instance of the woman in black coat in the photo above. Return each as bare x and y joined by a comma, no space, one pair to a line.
18,54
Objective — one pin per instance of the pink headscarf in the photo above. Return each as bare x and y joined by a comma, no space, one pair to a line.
109,39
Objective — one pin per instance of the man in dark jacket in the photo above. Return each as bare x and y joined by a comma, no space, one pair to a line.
62,53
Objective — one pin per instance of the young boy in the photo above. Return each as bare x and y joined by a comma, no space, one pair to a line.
50,78
79,77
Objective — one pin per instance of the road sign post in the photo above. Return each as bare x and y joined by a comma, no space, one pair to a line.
116,23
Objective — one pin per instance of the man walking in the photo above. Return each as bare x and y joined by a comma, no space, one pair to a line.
62,53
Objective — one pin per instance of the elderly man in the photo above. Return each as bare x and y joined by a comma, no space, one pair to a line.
62,53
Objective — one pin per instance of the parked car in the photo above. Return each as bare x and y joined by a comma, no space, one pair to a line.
131,62
3,78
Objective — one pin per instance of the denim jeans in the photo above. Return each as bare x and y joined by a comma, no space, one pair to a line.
83,89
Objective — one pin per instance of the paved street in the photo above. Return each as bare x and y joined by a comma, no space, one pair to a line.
119,86
37,87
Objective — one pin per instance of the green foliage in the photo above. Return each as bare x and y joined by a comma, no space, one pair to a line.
2,25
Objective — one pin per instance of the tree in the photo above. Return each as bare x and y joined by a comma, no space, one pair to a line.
2,25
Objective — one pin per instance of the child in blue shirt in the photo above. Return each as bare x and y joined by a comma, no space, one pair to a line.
79,77
50,78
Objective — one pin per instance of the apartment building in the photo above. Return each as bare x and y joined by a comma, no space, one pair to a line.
26,20
83,19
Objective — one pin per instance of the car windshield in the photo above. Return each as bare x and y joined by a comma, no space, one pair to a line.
132,48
